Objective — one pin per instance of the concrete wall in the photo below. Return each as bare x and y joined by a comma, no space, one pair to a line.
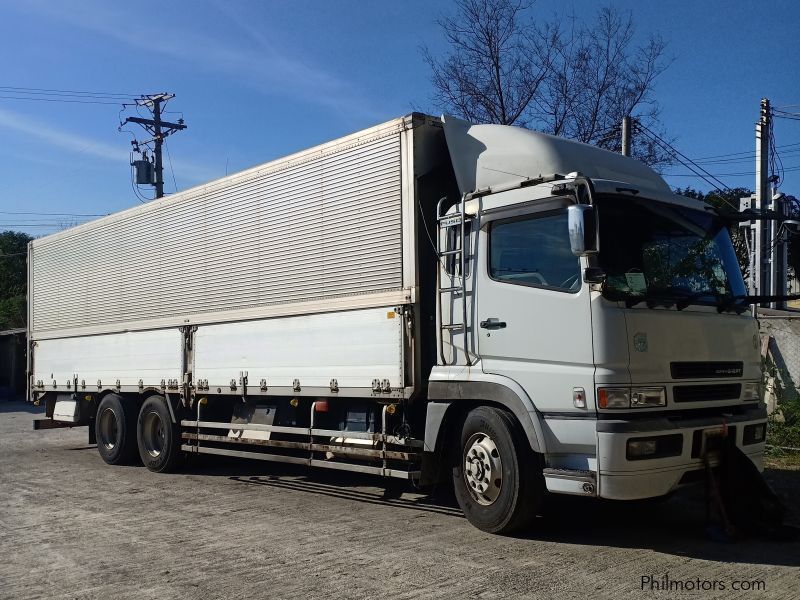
780,336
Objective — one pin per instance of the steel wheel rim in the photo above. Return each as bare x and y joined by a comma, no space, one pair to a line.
108,429
483,469
153,434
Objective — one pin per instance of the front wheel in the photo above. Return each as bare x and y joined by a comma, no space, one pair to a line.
158,438
496,476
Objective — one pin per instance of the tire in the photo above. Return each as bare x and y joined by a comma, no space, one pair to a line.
159,440
115,430
503,488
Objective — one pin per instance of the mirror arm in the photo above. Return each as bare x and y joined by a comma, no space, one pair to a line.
594,275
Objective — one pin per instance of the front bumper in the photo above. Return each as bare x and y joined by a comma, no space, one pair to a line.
622,479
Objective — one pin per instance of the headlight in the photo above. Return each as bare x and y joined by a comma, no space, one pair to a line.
614,397
638,397
751,391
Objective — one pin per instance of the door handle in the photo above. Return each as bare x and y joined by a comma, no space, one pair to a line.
493,323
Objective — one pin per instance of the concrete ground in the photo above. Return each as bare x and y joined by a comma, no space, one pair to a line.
72,527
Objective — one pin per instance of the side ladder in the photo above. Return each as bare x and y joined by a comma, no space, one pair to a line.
458,283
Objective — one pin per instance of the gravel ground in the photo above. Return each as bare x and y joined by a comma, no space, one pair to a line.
72,527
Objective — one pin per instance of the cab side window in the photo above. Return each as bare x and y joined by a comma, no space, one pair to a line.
534,251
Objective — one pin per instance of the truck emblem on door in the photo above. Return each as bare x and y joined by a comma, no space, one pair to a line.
640,342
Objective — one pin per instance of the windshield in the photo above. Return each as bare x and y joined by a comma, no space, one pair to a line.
657,251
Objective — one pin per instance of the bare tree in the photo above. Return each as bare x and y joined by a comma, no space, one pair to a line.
495,68
562,77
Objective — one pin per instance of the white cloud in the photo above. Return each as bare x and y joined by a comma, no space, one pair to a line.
81,145
254,60
60,138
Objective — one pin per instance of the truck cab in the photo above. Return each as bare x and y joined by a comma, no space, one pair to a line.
602,309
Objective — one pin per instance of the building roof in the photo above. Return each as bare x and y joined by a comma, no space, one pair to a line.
18,331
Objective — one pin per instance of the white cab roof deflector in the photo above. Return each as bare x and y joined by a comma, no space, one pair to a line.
487,156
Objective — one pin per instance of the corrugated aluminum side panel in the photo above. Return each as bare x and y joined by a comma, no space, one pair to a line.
327,226
128,357
354,347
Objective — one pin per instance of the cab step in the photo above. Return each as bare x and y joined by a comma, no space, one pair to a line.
569,481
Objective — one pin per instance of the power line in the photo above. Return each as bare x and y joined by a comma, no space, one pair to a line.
738,174
169,158
46,225
49,91
776,164
62,100
750,153
687,162
33,95
39,221
782,114
748,158
48,214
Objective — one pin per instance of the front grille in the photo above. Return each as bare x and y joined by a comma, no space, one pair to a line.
705,393
705,370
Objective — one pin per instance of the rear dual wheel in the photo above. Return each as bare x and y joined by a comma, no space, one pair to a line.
159,439
125,432
497,478
115,430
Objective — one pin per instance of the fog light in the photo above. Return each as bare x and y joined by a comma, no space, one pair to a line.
655,447
641,448
754,434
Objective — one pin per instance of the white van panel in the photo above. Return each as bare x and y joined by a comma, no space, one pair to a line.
128,357
354,347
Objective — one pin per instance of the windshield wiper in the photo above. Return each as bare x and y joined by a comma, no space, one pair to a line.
652,299
731,301
688,299
668,297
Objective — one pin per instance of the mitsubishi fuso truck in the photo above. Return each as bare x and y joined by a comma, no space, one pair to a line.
428,300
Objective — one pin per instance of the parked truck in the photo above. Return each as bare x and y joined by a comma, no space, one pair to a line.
427,300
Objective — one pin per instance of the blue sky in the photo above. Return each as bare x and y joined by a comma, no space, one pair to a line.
258,80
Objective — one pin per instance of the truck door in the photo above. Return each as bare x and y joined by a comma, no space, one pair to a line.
533,318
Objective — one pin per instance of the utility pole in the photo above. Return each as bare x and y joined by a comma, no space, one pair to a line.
159,130
762,229
626,135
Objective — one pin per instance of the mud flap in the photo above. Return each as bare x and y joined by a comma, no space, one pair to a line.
745,504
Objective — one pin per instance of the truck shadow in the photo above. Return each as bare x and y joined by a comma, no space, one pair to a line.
334,484
16,406
675,526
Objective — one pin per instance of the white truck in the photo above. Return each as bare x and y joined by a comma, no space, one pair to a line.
427,300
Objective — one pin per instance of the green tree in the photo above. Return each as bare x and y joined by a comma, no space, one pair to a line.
727,200
13,279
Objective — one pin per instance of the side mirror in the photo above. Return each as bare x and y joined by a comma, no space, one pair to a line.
582,225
